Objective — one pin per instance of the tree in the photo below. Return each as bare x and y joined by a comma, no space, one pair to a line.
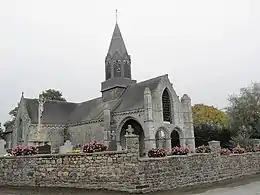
13,114
244,110
203,114
210,124
242,138
52,94
1,132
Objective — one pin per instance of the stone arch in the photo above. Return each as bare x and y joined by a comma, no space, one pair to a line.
138,130
161,137
167,106
176,137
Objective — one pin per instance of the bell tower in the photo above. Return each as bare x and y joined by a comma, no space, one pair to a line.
117,68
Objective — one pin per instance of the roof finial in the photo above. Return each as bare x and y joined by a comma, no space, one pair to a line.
116,15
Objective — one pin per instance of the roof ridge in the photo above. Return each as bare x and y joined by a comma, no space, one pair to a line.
150,79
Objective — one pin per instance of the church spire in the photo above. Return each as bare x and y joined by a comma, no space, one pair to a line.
117,43
117,63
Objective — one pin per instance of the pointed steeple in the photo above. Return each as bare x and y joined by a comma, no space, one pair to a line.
117,43
117,66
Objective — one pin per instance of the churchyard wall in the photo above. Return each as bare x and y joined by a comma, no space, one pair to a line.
124,171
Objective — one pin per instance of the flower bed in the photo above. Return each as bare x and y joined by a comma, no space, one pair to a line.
94,147
180,151
24,150
158,152
238,150
203,149
224,151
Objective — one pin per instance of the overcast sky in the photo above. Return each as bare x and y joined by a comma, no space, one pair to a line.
210,49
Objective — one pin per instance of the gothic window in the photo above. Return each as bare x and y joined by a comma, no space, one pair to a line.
127,69
108,71
166,103
117,70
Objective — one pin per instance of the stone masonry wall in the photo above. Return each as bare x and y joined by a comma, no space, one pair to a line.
104,170
194,170
124,171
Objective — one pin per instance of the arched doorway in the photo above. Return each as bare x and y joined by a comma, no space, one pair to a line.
166,105
138,130
160,139
175,139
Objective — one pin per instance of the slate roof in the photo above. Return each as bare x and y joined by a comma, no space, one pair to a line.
89,110
59,112
54,112
117,43
133,97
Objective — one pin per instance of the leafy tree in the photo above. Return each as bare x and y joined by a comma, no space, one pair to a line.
8,124
13,114
52,94
203,114
210,124
242,138
1,132
244,110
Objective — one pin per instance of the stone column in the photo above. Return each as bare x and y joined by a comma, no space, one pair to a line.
148,121
188,122
132,144
168,145
214,146
107,119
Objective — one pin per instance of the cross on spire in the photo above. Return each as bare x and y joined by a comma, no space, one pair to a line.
116,15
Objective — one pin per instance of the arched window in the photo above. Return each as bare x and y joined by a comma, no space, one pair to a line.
127,69
166,103
117,69
108,71
175,139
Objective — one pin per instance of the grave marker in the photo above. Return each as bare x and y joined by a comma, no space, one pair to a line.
2,147
66,148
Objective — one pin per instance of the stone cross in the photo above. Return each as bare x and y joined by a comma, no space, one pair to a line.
129,130
112,143
40,111
112,134
2,147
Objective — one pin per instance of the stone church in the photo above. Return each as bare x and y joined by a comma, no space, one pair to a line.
151,108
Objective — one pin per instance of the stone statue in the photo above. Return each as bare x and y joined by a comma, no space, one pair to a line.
129,130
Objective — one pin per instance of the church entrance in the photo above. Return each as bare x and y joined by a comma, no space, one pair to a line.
175,139
138,130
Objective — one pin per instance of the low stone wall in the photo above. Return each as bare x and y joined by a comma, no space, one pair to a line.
104,170
124,171
197,169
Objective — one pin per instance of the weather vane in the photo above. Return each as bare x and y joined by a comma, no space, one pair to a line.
116,15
